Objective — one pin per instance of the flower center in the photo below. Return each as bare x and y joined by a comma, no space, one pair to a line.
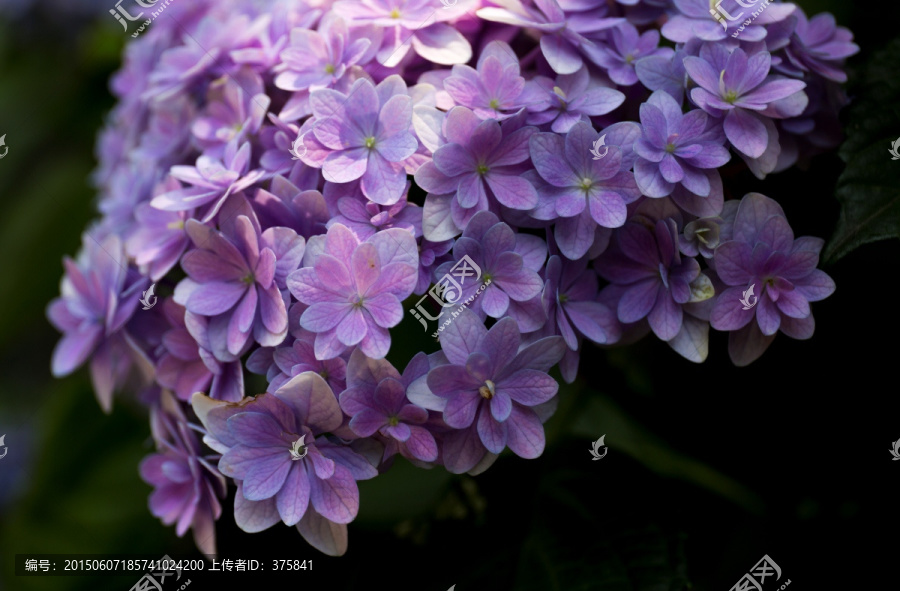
629,58
299,449
482,169
563,298
586,183
730,97
395,13
670,148
330,68
248,279
370,142
487,391
393,421
179,225
699,233
494,104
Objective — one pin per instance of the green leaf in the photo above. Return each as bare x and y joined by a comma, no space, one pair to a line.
868,189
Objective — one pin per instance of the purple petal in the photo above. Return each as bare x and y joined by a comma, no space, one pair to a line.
293,498
255,429
325,536
529,387
460,410
421,444
336,498
463,450
492,433
525,434
746,132
211,299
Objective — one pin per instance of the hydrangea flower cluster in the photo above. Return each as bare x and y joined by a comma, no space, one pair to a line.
291,178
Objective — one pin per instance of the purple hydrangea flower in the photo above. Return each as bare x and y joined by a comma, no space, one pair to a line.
363,135
570,303
820,46
493,90
187,485
212,181
661,72
625,47
270,37
695,21
375,399
181,65
676,148
401,22
569,100
365,218
739,87
318,59
503,258
581,190
482,162
564,33
184,367
276,446
305,212
644,258
489,386
764,255
281,364
157,240
701,237
354,289
236,106
232,280
98,296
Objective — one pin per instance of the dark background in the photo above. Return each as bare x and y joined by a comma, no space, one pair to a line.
709,466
